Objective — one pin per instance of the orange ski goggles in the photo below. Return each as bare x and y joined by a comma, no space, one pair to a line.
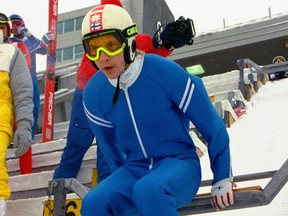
111,42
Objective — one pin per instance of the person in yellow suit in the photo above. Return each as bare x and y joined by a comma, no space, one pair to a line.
16,92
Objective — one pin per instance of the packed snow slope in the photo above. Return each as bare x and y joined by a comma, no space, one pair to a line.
259,143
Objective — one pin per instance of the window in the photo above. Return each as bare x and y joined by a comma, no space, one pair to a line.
59,55
67,53
79,50
60,27
79,23
68,25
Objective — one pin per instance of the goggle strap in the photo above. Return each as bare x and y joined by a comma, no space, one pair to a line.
117,92
130,31
4,21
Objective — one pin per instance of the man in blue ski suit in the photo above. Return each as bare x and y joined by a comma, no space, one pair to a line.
80,135
139,107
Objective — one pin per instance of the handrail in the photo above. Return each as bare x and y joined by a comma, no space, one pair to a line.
244,199
254,68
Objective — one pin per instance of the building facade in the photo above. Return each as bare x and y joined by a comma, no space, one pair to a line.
217,51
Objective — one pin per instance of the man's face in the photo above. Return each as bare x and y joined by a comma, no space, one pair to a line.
4,28
17,25
107,51
112,66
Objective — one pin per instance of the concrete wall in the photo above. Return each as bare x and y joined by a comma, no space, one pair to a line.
146,14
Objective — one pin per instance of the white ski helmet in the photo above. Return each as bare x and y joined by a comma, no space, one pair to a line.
110,17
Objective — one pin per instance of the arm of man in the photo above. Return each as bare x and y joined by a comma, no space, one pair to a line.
22,90
35,45
101,127
104,132
201,112
145,43
189,92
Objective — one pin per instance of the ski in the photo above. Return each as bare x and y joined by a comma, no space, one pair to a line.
48,113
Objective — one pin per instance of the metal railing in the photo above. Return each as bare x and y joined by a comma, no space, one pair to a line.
244,197
260,70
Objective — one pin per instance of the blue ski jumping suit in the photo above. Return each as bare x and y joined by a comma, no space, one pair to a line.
80,136
145,138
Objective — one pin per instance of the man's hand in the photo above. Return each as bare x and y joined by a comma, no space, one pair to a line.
22,138
24,32
222,193
175,34
49,36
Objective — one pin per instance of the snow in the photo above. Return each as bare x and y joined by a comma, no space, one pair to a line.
258,144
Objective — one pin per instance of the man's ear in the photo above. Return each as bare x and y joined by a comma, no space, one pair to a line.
130,52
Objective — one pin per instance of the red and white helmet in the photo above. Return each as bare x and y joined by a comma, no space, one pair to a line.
114,2
111,17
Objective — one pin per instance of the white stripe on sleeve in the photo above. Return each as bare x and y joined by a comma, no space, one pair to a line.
97,120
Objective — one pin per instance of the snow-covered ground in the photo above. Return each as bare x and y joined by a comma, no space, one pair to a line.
258,144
